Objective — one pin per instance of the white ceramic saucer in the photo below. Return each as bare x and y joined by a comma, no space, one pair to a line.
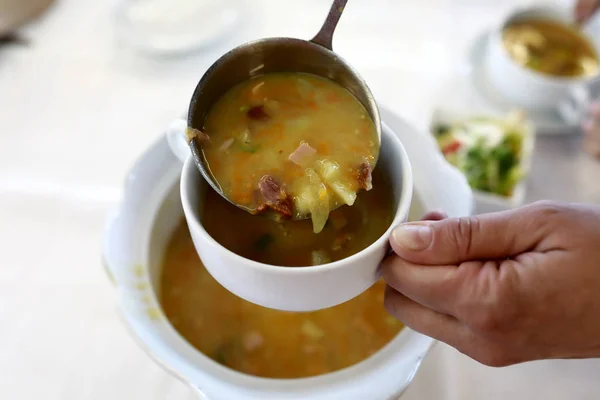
548,122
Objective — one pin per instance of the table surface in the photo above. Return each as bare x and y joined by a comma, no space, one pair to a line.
76,109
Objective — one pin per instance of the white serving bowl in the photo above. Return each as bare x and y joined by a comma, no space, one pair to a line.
135,238
521,86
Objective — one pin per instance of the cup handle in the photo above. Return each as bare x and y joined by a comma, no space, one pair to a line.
573,108
175,136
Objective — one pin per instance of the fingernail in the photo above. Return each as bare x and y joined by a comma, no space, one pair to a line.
412,237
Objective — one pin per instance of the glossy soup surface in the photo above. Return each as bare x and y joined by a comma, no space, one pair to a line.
265,342
551,48
293,243
291,143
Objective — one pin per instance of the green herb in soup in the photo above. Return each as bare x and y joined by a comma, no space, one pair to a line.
291,143
293,243
261,341
551,48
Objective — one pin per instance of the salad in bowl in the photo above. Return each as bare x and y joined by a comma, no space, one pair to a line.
492,151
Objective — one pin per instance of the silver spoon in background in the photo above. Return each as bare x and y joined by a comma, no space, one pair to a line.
274,55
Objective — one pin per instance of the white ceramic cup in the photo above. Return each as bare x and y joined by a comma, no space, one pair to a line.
286,288
526,88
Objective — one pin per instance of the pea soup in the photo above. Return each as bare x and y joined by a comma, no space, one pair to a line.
293,145
261,341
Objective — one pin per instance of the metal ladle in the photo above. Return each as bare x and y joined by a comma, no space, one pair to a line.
275,55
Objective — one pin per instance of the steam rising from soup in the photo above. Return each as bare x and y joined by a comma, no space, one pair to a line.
551,48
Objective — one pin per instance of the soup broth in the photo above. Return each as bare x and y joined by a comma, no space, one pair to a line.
551,48
261,341
292,144
293,243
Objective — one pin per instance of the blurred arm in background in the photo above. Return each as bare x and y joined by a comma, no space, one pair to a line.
591,128
585,9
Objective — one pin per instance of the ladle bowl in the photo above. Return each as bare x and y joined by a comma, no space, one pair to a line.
270,55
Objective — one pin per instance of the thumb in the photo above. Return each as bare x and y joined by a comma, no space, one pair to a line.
482,237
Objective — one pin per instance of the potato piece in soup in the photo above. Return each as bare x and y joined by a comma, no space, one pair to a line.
293,243
293,143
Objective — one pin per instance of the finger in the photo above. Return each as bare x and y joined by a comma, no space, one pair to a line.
589,126
424,320
584,10
454,240
592,146
435,215
432,286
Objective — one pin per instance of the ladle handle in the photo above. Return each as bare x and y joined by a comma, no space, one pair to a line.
325,35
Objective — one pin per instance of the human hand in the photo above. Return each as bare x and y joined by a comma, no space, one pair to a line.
584,9
502,288
591,130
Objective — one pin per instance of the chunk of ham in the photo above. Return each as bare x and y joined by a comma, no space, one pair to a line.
226,144
258,113
275,197
270,189
260,116
302,154
193,133
253,341
365,179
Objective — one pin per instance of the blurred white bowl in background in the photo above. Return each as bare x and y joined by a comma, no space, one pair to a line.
522,86
169,27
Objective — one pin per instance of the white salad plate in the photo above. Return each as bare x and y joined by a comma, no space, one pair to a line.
135,238
485,202
546,122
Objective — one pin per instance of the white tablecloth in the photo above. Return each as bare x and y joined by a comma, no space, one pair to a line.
76,108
